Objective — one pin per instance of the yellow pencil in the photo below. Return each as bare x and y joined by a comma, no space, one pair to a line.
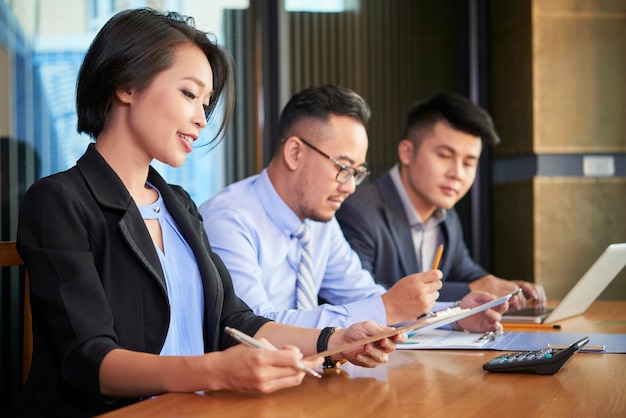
438,257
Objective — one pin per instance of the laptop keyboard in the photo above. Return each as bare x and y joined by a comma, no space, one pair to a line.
529,312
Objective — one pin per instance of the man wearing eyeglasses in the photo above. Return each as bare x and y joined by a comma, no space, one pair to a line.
255,226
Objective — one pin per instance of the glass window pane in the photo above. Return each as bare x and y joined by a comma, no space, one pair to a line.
46,42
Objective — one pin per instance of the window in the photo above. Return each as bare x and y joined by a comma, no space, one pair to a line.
45,44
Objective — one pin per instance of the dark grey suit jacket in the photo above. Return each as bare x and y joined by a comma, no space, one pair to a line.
375,223
97,284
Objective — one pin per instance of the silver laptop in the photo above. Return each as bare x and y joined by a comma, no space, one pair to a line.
583,294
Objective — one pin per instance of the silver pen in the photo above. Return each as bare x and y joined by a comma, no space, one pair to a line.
251,342
594,348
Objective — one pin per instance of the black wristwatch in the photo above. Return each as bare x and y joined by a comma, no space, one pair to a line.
322,345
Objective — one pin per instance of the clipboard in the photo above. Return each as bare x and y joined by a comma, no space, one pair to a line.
431,321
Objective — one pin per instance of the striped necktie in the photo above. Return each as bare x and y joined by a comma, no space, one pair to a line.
306,295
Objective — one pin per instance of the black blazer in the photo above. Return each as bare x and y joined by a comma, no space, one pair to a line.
375,223
97,284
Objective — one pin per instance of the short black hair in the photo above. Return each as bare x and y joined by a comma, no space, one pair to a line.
320,103
130,50
460,112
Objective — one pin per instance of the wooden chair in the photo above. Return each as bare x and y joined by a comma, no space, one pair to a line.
9,257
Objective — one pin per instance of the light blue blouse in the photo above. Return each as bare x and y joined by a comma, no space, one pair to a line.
184,285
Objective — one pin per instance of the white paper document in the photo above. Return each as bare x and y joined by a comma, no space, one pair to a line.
441,339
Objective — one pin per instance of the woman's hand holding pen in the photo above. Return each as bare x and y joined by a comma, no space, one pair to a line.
246,369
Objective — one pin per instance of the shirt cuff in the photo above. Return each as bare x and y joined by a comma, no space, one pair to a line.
372,309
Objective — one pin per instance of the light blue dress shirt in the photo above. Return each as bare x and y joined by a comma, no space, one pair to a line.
184,285
251,228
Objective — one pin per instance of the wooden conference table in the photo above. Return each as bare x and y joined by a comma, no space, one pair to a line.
433,383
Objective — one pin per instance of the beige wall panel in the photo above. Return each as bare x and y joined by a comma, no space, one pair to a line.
579,85
513,230
580,6
551,229
558,86
511,76
574,220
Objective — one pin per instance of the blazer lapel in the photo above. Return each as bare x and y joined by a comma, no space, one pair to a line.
398,224
141,244
111,193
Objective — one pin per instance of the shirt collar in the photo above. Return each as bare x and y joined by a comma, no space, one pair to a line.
414,219
275,207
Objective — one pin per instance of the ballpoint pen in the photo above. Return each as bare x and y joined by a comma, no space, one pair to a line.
516,325
251,342
594,348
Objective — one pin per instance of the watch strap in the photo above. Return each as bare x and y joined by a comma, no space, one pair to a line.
322,345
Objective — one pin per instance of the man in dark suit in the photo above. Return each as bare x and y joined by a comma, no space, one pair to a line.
396,223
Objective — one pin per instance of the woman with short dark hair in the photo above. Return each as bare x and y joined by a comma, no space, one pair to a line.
128,300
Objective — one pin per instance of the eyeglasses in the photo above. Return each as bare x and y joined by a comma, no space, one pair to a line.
345,172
